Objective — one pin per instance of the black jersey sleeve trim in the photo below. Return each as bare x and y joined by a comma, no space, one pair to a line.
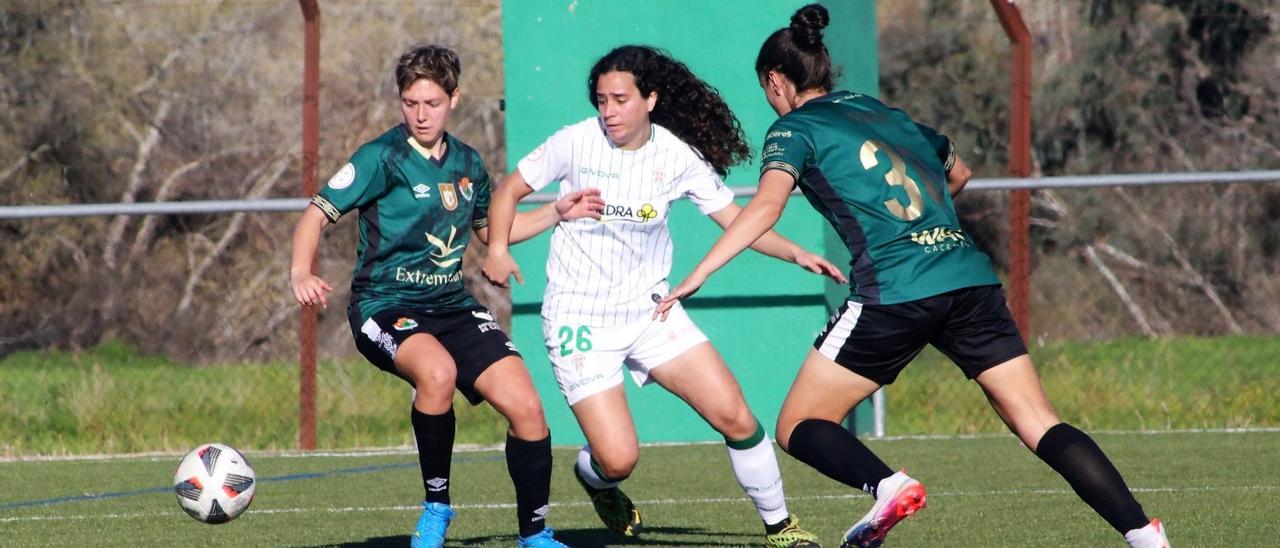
326,207
782,166
950,161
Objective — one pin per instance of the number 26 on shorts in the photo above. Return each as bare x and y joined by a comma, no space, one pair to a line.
570,339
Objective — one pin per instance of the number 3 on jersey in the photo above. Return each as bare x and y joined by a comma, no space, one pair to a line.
897,176
570,340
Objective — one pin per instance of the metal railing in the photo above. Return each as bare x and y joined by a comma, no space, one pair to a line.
291,205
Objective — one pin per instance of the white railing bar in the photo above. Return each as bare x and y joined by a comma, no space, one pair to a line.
290,205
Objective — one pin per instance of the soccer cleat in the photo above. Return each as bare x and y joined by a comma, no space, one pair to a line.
792,536
431,526
614,508
897,497
1151,536
542,539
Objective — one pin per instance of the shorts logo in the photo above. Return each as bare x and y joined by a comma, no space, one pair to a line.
511,346
578,360
464,186
448,196
343,178
658,176
436,485
482,315
567,388
421,191
378,337
404,324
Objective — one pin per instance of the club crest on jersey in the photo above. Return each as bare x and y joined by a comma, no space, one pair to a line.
448,196
464,186
404,324
421,191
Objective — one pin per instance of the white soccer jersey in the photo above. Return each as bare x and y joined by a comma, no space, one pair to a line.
605,272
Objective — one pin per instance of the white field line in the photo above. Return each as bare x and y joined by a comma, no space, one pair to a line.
475,448
649,502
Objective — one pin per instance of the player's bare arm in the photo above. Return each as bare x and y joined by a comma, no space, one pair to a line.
778,246
758,217
308,288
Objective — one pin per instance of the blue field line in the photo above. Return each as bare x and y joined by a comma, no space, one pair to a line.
287,477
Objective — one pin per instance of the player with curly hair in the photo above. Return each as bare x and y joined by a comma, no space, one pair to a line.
885,183
661,134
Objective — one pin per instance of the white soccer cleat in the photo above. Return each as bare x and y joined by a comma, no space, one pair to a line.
1151,536
897,497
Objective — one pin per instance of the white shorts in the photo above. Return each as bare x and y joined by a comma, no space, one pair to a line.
587,359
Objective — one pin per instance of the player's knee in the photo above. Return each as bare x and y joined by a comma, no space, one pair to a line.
436,382
526,417
618,467
734,422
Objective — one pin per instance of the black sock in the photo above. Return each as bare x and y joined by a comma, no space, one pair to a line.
1080,461
529,463
836,452
435,452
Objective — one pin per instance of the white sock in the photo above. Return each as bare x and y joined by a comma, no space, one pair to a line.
756,467
588,472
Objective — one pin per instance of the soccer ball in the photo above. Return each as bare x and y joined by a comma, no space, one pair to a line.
214,483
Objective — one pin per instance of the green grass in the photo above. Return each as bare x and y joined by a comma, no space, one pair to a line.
1211,489
110,399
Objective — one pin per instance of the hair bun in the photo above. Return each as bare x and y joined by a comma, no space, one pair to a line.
807,25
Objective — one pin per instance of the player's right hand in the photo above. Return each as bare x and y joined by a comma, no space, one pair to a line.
499,267
310,289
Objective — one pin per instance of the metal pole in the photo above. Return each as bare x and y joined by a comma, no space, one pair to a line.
1019,162
310,158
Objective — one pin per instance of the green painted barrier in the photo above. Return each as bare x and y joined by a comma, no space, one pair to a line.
760,313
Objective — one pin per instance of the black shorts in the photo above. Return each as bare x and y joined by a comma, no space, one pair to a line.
472,337
972,326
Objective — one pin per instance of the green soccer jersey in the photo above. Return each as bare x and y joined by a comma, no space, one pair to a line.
416,217
879,179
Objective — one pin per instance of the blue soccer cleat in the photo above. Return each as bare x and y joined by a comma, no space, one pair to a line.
432,525
541,539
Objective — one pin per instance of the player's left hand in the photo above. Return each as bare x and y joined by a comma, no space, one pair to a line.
687,287
818,264
580,203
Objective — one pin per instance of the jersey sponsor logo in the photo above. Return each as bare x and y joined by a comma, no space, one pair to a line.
773,149
421,191
584,170
448,196
630,214
443,255
464,186
404,324
940,238
343,178
778,133
418,277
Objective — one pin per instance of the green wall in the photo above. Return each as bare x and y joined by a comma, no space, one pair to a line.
761,314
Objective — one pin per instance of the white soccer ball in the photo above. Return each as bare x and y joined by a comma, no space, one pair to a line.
214,483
